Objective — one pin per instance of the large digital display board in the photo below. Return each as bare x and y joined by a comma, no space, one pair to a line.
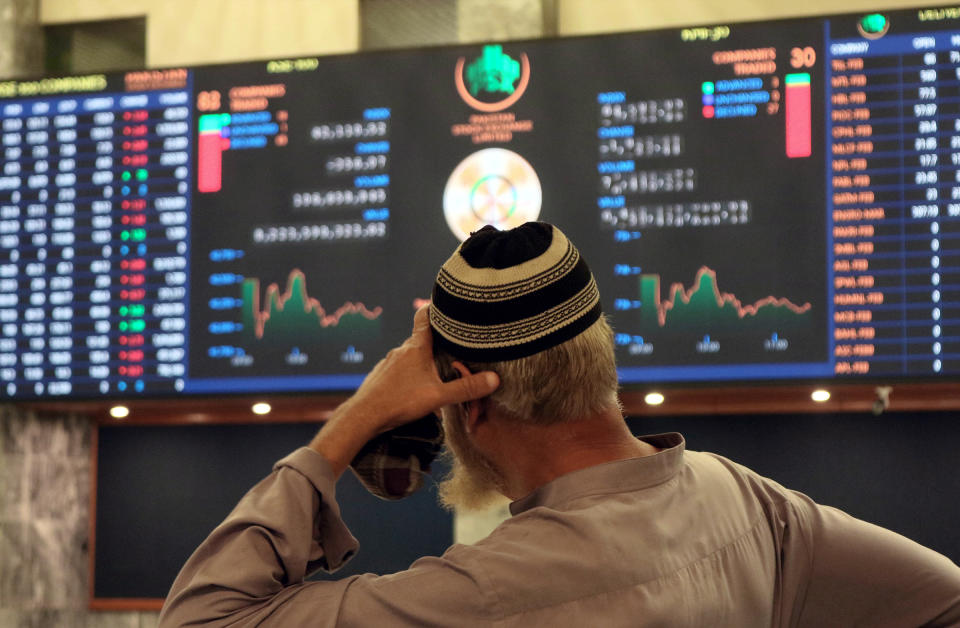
758,201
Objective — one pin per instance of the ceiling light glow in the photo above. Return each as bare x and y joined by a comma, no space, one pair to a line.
261,408
820,395
119,412
654,398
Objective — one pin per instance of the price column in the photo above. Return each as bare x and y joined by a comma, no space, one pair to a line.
931,111
149,265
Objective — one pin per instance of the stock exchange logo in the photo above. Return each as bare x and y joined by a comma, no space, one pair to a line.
494,80
873,26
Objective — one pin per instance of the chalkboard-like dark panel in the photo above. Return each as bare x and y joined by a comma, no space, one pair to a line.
162,489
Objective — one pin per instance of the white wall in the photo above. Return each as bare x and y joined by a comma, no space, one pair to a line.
182,32
580,17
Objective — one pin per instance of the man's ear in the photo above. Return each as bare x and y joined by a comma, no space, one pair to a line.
476,409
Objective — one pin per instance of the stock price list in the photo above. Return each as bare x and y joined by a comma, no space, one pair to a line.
93,242
895,204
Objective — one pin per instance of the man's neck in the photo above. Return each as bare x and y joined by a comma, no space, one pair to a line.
533,455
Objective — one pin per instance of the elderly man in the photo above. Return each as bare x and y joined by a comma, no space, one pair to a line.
607,529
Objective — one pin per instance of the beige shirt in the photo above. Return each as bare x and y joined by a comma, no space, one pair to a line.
674,539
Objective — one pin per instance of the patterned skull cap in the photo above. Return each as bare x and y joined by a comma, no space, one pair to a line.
506,295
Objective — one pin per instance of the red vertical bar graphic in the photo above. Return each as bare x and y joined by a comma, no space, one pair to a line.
210,148
210,163
797,114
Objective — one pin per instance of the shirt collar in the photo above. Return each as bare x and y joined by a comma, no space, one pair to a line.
631,474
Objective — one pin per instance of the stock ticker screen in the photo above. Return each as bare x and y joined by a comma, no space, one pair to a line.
757,201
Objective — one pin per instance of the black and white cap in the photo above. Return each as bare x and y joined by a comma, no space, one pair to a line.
505,295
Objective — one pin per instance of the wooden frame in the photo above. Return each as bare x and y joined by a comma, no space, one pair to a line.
732,399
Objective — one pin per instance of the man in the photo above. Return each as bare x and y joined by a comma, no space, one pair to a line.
607,529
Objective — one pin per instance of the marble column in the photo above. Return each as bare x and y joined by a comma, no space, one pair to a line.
44,524
491,20
44,504
21,39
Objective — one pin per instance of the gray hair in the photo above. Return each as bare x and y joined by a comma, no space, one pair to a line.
574,379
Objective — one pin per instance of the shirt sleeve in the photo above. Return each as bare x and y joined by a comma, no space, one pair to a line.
858,574
250,571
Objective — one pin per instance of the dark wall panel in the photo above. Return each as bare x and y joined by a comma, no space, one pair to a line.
162,489
895,470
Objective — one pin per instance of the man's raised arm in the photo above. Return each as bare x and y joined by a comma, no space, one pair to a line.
251,568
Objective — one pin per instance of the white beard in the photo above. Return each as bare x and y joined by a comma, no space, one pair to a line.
473,482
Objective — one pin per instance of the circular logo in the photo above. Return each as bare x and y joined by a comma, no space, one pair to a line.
493,186
873,26
493,81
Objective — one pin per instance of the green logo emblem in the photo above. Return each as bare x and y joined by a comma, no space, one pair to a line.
493,71
873,26
873,23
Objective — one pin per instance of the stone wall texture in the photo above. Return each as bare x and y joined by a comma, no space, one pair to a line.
45,525
21,39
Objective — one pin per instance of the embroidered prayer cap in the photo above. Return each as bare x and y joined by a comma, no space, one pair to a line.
506,295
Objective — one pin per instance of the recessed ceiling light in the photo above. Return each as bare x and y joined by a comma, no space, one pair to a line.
261,408
119,412
820,395
654,398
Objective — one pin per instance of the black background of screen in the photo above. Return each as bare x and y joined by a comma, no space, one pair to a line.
781,252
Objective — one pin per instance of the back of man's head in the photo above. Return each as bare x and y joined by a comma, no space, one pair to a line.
524,304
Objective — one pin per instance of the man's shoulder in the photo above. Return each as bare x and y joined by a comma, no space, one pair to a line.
714,467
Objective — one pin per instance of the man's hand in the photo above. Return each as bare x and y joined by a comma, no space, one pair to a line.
401,388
